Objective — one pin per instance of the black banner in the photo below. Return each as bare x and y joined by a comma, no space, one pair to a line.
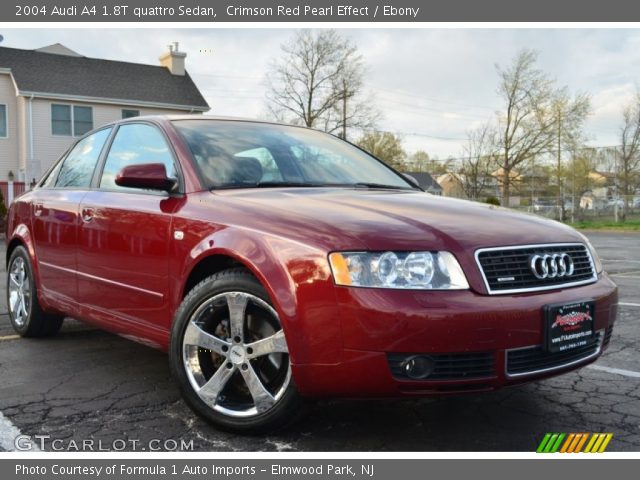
406,469
210,11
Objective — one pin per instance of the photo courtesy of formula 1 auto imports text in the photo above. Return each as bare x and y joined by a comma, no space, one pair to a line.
326,239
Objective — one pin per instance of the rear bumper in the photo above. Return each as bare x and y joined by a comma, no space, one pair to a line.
497,338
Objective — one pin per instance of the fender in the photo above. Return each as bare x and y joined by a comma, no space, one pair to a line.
22,234
296,277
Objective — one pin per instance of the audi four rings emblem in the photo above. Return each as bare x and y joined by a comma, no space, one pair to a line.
556,265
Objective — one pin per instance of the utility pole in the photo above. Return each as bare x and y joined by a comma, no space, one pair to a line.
559,166
344,109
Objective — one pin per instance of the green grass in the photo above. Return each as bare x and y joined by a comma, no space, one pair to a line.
628,226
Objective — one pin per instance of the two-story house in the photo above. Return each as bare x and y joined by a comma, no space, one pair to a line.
52,95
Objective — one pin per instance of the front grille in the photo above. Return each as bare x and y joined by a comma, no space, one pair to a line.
535,359
508,270
455,366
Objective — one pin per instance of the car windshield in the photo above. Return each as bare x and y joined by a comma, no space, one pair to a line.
239,154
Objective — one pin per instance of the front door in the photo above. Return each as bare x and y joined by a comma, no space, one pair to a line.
125,237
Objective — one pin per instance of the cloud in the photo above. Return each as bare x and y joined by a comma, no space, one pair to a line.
433,85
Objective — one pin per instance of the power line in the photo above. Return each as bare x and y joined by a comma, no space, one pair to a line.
546,152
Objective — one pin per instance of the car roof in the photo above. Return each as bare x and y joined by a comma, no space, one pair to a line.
171,118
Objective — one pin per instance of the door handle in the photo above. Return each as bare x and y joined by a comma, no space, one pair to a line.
88,214
37,209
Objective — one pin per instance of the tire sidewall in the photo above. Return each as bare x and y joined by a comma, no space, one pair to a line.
21,252
240,281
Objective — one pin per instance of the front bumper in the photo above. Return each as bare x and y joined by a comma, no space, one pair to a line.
496,332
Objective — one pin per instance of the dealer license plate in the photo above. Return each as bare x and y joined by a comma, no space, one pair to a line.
568,326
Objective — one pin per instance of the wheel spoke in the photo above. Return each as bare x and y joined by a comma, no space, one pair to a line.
276,343
14,300
262,399
237,303
194,335
14,280
210,391
23,307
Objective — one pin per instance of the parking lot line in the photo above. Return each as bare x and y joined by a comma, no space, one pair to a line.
625,275
617,371
9,337
627,304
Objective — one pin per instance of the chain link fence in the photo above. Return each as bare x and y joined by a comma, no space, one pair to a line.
582,209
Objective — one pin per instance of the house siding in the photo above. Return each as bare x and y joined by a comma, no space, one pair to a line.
9,145
49,147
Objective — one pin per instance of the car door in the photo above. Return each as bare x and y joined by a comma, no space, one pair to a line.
55,218
125,235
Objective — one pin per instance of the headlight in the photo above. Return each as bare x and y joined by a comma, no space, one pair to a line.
405,270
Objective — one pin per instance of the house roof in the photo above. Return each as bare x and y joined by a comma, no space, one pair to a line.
55,74
425,181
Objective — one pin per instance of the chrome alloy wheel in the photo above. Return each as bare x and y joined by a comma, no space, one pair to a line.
19,292
235,354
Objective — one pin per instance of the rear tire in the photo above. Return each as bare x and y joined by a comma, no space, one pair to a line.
27,316
229,354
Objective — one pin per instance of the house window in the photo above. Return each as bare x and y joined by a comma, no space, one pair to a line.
3,121
71,120
126,113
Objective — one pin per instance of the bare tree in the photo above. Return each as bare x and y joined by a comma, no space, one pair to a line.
355,109
420,162
385,146
577,176
479,160
318,82
628,168
526,125
570,115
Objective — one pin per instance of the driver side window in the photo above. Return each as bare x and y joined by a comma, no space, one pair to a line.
134,144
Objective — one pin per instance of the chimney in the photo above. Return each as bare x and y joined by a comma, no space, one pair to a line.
174,60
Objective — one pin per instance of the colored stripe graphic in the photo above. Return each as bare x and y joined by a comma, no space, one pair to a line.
599,443
581,443
543,443
567,443
550,443
574,443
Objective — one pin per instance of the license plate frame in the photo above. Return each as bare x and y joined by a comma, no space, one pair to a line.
568,326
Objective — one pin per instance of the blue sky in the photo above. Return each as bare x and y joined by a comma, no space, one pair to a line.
432,85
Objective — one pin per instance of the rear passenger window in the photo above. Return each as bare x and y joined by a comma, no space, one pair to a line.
77,168
134,144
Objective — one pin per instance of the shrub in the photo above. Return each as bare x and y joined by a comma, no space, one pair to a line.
492,201
3,207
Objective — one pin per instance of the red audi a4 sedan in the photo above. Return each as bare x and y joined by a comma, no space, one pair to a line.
277,263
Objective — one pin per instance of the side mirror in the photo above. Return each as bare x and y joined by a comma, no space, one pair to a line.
411,179
150,176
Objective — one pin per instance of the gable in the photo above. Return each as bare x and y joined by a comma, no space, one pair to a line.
56,74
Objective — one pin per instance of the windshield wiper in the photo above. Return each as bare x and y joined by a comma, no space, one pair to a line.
381,186
281,183
267,184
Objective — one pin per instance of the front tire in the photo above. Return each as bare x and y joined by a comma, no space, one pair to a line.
27,316
230,356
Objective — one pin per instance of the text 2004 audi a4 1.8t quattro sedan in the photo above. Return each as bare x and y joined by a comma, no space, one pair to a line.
276,263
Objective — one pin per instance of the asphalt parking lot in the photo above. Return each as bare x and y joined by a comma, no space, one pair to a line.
88,384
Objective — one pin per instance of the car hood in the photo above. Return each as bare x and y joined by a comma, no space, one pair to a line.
388,219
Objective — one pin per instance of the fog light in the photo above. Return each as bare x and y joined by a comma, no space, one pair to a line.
418,367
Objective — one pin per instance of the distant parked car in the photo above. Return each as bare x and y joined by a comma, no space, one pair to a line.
615,202
542,206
